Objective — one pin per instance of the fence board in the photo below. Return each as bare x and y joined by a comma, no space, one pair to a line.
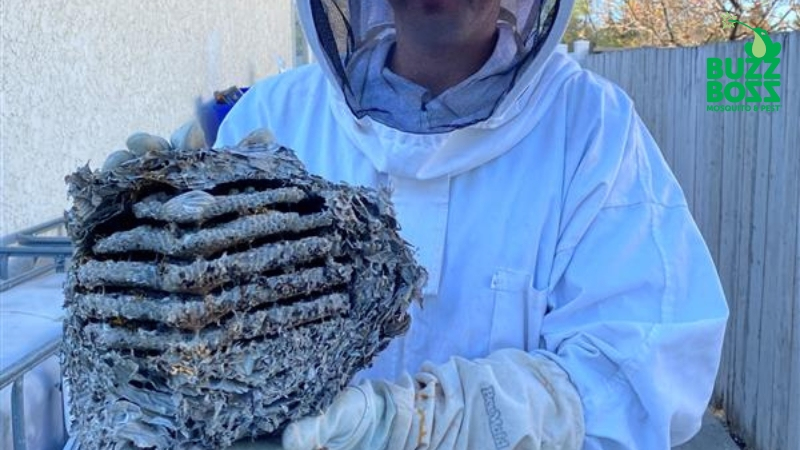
683,159
729,208
794,340
793,67
757,375
791,172
740,173
785,182
733,161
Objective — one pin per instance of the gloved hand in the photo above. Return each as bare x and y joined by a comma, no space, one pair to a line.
189,136
509,400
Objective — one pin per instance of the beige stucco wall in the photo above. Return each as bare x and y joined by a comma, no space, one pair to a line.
79,76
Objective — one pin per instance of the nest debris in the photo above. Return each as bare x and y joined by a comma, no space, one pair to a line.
217,295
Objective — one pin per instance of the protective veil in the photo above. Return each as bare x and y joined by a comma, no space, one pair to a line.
348,33
552,226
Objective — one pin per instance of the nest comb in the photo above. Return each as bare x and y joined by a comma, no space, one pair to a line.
218,295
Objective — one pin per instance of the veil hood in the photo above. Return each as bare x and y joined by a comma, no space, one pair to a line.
338,29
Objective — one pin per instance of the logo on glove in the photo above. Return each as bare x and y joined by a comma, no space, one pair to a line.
495,418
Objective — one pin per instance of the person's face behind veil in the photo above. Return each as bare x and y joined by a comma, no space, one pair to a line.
445,21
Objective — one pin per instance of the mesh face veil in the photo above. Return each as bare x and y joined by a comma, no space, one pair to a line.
340,31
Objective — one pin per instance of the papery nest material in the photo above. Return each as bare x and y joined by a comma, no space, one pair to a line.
219,294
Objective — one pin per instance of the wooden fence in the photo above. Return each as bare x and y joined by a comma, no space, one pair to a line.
740,172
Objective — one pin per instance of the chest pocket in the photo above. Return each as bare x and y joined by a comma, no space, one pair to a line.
518,311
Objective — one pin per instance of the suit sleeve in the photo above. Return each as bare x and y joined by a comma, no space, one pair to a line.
637,313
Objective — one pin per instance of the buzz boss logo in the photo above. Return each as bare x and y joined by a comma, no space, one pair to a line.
749,80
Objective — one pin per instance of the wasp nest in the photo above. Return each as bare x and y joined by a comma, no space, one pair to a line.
218,295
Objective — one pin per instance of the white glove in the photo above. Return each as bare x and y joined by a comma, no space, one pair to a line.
510,400
189,136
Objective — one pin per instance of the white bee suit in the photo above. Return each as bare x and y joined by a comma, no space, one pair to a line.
553,227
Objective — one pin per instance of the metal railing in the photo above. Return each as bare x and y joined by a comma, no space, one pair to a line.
44,241
15,375
34,243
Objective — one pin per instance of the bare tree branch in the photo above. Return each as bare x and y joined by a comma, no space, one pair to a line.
667,24
732,35
779,25
631,23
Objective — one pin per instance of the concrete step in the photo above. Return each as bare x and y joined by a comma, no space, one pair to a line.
713,436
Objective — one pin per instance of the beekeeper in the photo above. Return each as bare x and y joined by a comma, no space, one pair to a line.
571,301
